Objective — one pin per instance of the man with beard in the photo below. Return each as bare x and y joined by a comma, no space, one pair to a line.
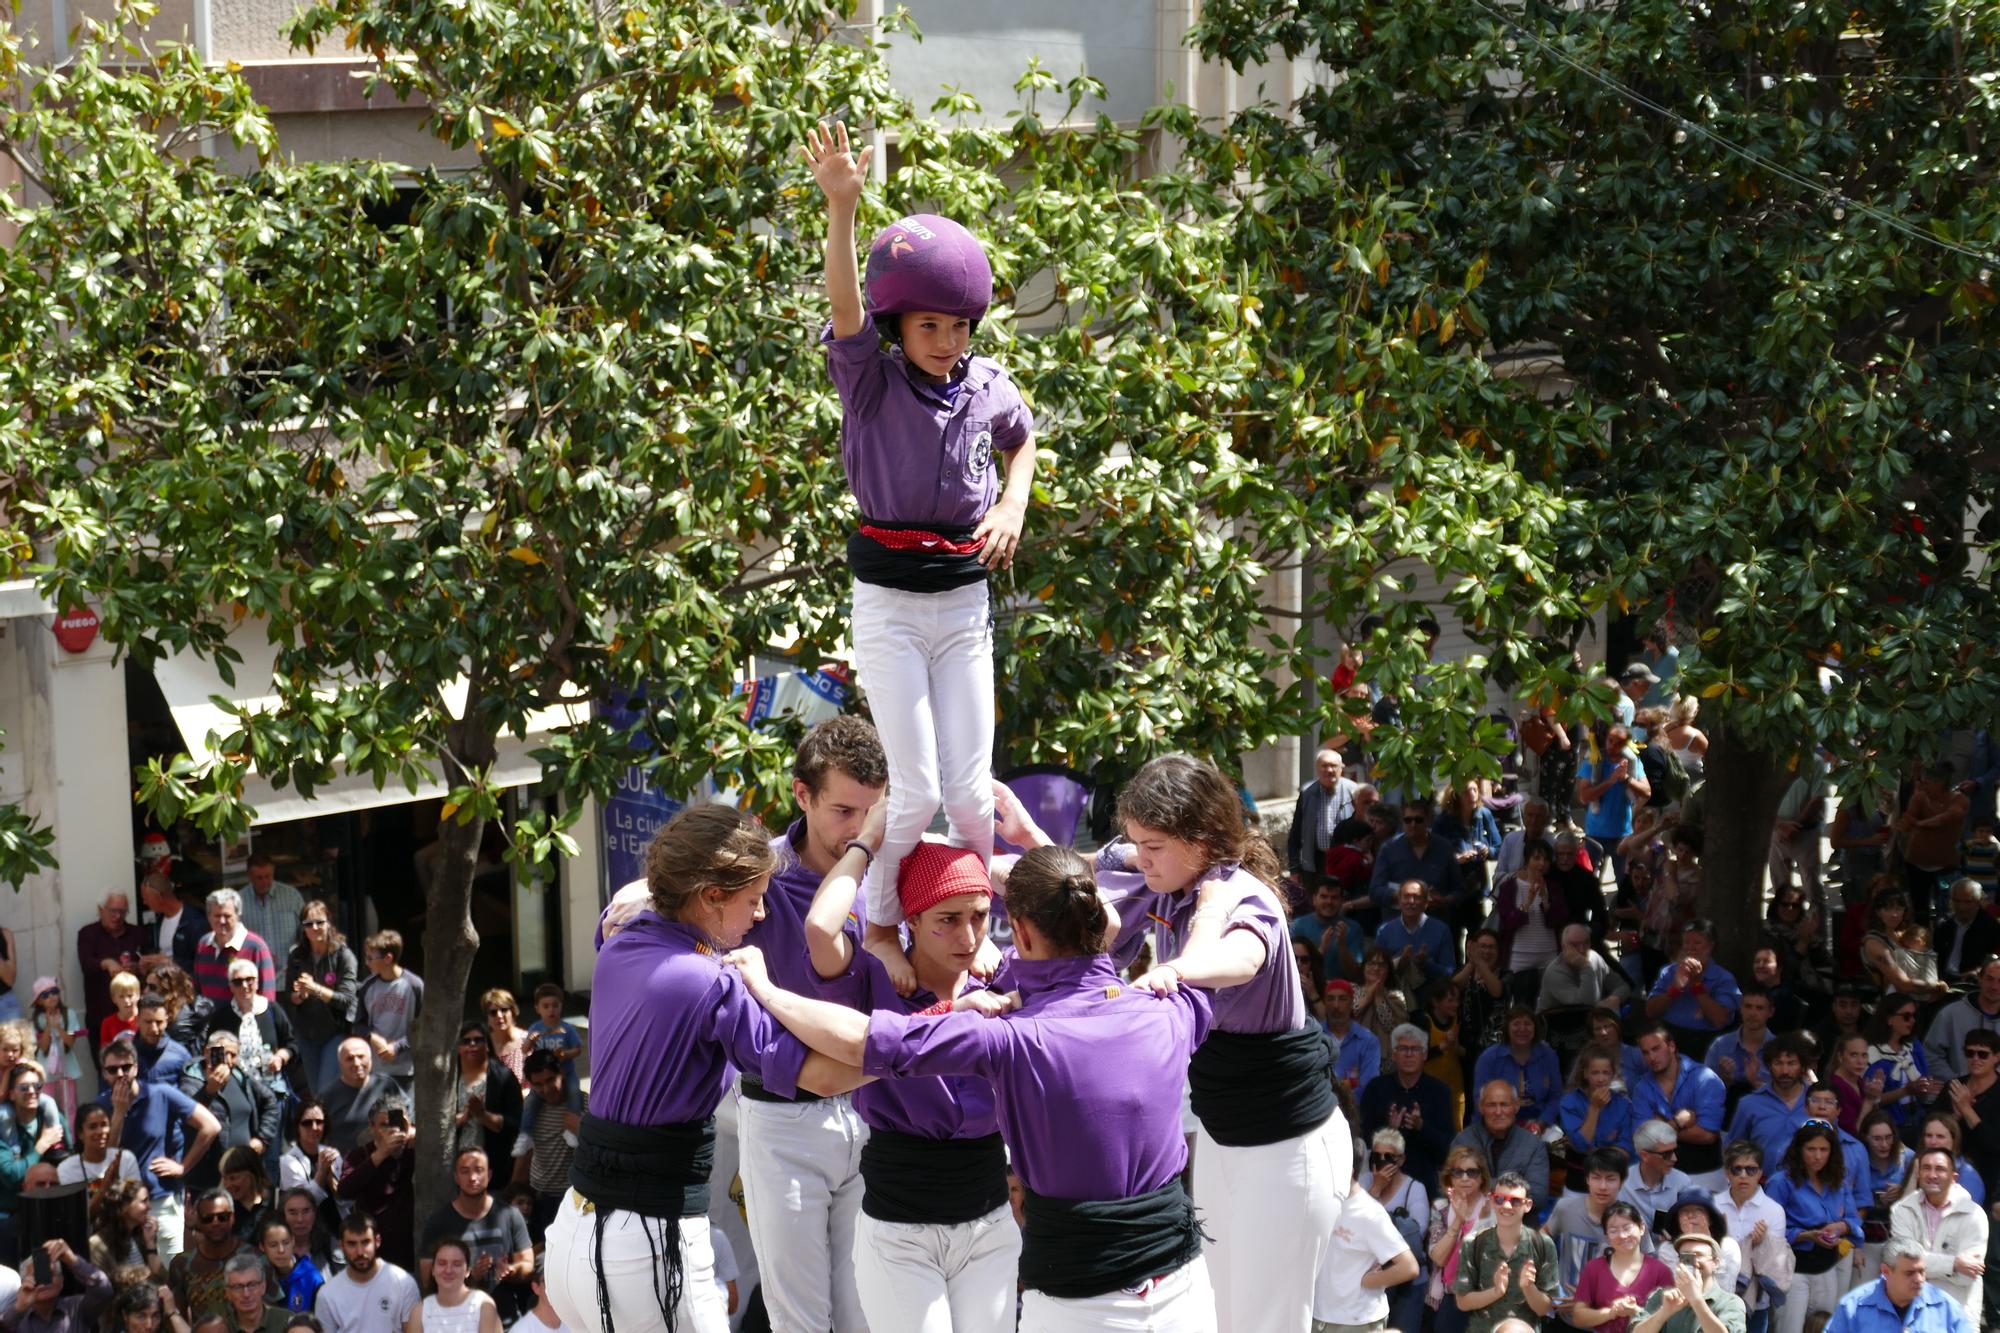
1769,1116
370,1295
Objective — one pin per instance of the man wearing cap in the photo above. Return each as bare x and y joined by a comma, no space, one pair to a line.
1695,1301
1940,1218
1357,1053
800,1154
1635,682
1901,1300
1694,1214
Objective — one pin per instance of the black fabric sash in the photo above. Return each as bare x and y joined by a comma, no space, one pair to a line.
652,1170
1252,1088
913,571
754,1089
909,1179
1079,1248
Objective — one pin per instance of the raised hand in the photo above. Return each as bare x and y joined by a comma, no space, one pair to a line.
841,176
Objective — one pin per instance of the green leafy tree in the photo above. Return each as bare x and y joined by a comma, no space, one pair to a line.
553,428
1759,236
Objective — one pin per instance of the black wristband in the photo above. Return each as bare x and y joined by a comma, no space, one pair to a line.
855,844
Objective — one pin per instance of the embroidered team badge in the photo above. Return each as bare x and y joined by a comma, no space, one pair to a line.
982,453
899,246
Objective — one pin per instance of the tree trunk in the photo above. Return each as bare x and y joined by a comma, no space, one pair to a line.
450,944
1740,804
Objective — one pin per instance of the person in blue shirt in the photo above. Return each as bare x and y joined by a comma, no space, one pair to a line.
1695,995
1328,929
1686,1095
1606,1026
1591,1113
1415,854
1820,1222
551,1032
1358,1055
1420,946
1769,1116
1606,786
1739,1055
1897,1057
1901,1300
157,1124
1526,1064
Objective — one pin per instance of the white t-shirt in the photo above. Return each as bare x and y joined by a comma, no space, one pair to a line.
1363,1240
532,1323
379,1305
117,1165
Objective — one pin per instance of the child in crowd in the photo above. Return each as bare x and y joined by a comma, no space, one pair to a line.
550,1033
124,1016
1979,858
56,1031
923,426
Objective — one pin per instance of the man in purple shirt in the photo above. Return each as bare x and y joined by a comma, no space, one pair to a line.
801,1154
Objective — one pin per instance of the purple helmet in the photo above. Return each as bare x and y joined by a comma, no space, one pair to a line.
925,262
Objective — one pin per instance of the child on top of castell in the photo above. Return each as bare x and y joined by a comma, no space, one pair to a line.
923,423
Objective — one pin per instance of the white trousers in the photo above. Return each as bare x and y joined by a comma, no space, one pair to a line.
1180,1302
1264,1268
1809,1292
801,1170
633,1276
926,661
930,1277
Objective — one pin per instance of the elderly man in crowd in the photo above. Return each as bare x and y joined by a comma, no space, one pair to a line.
1506,1144
1578,975
227,940
1654,1183
104,948
1323,804
1694,1302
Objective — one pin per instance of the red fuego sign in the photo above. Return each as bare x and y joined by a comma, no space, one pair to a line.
76,630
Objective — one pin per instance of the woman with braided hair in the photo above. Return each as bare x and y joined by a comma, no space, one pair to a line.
1271,1140
629,1249
1081,1069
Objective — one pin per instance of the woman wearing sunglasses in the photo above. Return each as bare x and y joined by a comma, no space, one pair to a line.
506,1038
1507,1271
1462,1212
321,976
1896,1055
1820,1222
1408,1204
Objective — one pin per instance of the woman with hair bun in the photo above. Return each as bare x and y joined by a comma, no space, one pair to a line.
1271,1141
1082,1071
629,1249
935,1246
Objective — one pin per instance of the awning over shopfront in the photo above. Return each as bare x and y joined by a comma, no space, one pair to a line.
191,685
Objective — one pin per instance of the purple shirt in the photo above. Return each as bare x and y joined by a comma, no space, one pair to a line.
1088,1073
782,932
670,1026
1271,1001
953,1106
912,455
